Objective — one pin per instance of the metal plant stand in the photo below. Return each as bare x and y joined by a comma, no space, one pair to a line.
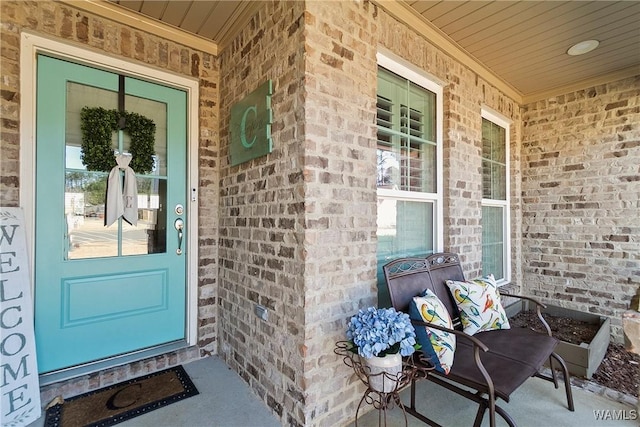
382,401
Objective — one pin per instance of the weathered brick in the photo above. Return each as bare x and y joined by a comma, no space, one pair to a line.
586,212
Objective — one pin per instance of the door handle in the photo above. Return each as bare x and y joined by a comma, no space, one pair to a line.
179,225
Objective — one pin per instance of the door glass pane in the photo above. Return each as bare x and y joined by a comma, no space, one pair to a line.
78,97
85,191
156,111
86,235
148,237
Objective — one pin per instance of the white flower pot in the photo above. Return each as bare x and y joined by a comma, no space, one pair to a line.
384,372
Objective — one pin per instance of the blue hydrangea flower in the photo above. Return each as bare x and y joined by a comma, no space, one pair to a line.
381,331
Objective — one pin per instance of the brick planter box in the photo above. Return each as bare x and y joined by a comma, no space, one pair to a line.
583,359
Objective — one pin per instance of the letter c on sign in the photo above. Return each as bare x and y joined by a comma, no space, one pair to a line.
243,127
111,403
18,318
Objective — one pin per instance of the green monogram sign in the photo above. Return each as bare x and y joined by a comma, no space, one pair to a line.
250,125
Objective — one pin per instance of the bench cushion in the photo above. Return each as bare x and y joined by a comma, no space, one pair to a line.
514,355
521,344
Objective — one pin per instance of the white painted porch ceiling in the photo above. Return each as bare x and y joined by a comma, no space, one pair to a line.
523,43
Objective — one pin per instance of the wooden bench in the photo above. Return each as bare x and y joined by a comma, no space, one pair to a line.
488,365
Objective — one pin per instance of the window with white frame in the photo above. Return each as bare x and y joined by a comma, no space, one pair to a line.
409,162
495,197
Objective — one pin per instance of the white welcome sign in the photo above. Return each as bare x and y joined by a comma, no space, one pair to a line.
19,385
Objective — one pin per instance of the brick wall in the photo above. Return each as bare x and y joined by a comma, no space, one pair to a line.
298,225
581,194
262,205
66,23
340,180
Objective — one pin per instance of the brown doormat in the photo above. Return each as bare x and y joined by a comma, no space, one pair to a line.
119,402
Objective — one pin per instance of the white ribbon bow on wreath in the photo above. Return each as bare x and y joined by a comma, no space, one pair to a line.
122,202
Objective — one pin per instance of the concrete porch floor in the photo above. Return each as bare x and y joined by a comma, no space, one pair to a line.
225,400
536,403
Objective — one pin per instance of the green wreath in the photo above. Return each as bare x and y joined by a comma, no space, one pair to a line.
98,124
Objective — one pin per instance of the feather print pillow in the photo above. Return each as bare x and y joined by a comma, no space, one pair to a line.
479,303
437,346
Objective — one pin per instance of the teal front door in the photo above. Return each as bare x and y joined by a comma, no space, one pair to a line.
106,290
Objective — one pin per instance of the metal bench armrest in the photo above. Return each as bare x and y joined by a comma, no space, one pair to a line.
538,304
477,346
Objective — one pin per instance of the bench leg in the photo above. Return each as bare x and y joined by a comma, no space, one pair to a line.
492,419
480,414
414,411
567,381
413,395
553,372
506,416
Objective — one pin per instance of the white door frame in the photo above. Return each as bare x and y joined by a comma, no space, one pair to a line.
32,44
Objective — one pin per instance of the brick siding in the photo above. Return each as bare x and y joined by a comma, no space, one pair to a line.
581,199
340,180
262,203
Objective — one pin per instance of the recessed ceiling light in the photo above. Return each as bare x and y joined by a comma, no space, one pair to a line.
583,47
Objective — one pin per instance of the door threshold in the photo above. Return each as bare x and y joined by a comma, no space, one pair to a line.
111,362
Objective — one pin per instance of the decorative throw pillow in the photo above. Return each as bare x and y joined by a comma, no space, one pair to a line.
438,346
479,303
